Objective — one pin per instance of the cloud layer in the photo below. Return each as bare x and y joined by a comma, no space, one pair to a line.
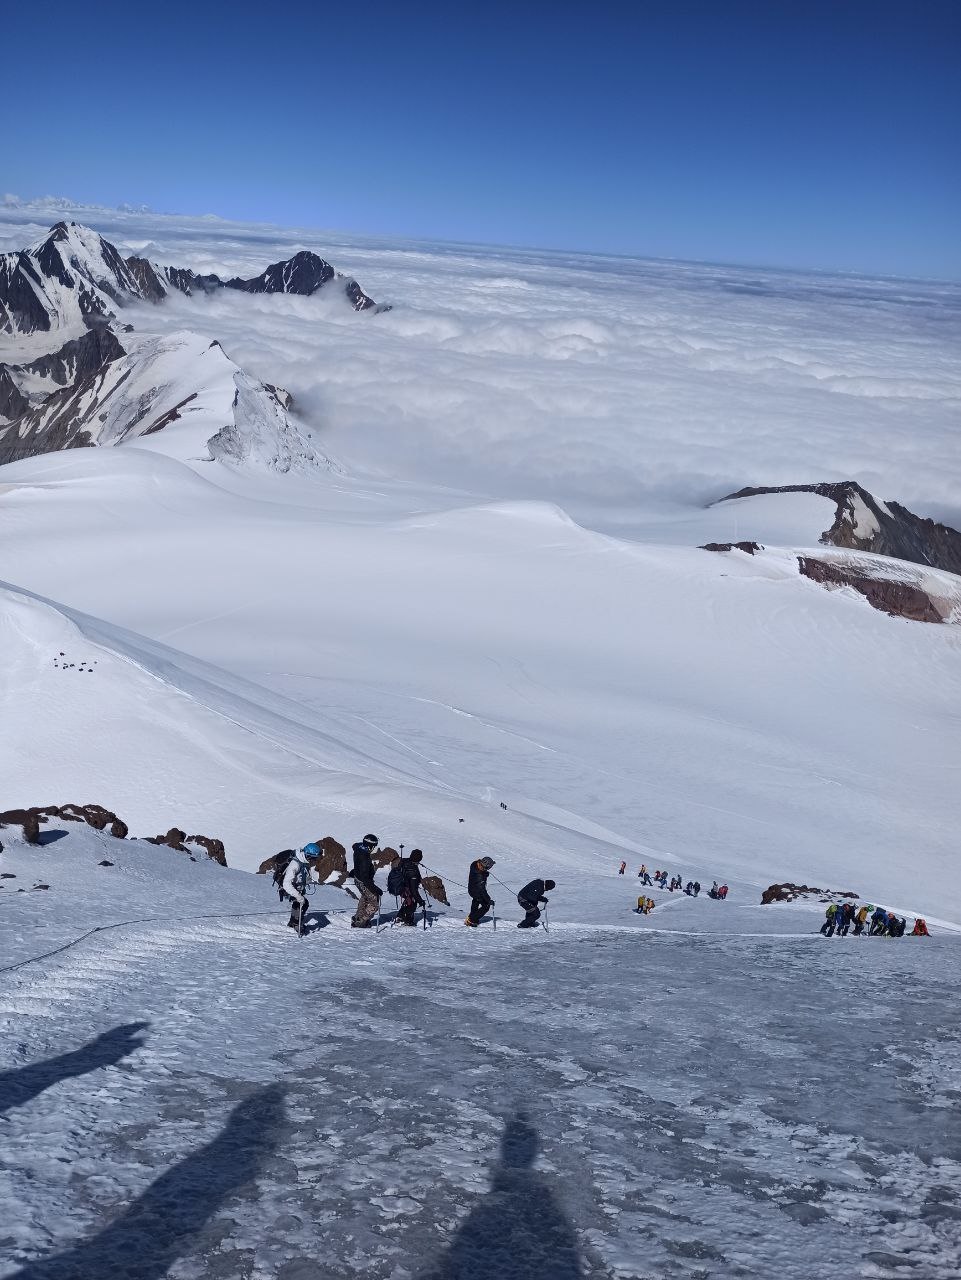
605,384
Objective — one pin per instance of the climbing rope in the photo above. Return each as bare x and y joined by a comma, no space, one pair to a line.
123,924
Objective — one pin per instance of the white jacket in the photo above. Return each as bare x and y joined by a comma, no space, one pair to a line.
296,869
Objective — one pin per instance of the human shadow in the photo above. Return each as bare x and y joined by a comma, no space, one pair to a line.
518,1231
162,1224
23,1083
315,921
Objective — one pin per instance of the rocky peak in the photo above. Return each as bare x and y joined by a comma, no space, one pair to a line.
865,523
303,274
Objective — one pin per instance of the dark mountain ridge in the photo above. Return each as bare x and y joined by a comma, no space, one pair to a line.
75,275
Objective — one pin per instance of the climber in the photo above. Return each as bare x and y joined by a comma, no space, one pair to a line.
860,920
829,921
300,868
363,877
480,900
644,875
920,929
410,898
530,898
844,919
878,921
622,868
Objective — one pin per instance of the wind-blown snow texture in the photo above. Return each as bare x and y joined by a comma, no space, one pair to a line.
213,1097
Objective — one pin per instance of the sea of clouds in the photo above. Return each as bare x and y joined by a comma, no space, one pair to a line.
608,385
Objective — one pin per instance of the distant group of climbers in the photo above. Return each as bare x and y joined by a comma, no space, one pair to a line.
841,918
404,881
675,884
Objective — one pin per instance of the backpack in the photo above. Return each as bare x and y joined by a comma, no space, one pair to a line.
396,879
281,864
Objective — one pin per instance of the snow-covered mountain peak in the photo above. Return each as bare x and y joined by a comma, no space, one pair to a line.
85,250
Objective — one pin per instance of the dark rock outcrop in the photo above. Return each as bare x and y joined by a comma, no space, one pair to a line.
78,358
94,815
13,402
788,892
21,288
863,523
749,547
900,599
435,889
179,840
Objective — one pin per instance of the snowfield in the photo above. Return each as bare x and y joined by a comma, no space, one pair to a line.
211,1097
483,625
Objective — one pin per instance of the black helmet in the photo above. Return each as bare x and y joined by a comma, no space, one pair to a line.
549,884
370,839
487,863
416,855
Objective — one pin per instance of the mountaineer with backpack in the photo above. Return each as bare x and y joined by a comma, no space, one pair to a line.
300,867
480,900
362,874
530,898
878,922
404,882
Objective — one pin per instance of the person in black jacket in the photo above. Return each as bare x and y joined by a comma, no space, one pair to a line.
480,900
530,898
363,877
410,898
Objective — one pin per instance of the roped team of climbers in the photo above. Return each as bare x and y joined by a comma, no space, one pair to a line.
404,881
876,922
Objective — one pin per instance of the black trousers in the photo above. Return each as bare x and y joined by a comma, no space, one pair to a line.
479,907
533,914
408,907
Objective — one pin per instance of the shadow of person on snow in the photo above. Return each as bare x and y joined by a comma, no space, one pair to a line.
23,1083
518,1231
314,921
160,1226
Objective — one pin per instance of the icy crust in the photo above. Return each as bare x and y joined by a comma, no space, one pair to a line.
356,1105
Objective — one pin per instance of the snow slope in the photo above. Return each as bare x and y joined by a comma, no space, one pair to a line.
717,712
195,1097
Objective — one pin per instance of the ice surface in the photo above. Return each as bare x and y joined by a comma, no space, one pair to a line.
219,1097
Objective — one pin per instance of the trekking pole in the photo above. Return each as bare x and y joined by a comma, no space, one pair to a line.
426,905
544,923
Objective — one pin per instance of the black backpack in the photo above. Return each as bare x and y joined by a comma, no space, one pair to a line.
281,863
396,878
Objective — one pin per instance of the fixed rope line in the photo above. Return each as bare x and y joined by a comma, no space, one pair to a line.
123,924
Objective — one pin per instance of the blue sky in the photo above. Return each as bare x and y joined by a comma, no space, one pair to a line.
797,134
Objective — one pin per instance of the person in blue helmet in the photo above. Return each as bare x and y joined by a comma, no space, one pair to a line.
301,868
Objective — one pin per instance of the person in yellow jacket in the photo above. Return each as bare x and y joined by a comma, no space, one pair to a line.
861,919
